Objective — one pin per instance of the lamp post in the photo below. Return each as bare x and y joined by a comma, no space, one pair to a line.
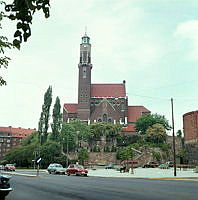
67,149
174,156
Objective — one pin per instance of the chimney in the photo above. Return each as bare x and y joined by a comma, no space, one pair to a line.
124,82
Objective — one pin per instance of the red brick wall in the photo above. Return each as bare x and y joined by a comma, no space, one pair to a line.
190,124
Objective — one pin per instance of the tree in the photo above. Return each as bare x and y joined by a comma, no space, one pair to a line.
22,12
4,45
146,121
45,115
68,137
179,133
57,120
156,133
83,155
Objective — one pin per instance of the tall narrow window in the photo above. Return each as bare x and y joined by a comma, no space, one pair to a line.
104,118
84,72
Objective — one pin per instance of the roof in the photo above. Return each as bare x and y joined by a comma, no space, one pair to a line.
22,132
129,128
108,90
71,107
134,112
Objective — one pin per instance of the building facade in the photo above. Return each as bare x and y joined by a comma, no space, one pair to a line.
11,137
190,125
100,102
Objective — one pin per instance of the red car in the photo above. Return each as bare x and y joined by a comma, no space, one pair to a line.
78,170
9,167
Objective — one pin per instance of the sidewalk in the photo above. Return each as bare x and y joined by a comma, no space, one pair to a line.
144,173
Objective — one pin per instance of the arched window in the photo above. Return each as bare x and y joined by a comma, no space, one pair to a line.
104,118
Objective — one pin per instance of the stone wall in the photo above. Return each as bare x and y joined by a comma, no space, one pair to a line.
192,153
103,158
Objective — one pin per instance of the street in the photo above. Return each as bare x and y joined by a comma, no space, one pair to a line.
59,187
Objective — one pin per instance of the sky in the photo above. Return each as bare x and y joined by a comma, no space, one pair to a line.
152,44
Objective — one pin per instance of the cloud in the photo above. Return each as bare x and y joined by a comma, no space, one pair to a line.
189,30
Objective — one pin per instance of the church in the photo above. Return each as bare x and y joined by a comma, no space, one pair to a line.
100,102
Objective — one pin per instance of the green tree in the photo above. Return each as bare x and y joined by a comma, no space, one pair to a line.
82,130
179,133
82,156
157,133
57,120
45,115
146,121
68,138
20,11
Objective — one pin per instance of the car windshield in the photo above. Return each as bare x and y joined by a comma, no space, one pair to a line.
79,166
59,166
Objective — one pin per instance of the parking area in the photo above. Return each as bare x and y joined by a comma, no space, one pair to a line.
137,173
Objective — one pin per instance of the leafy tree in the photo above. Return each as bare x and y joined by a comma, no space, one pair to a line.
126,153
68,137
45,115
156,133
20,11
100,129
4,45
83,155
82,130
57,120
179,133
146,121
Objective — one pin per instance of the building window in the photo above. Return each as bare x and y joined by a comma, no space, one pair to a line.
104,118
109,121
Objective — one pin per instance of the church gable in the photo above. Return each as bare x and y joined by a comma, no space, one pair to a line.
105,112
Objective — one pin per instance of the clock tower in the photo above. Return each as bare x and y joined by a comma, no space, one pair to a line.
84,80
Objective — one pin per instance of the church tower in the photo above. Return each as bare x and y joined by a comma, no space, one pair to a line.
84,80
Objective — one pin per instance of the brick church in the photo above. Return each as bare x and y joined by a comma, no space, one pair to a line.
100,102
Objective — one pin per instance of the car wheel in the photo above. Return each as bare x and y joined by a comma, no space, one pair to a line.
85,174
49,172
68,174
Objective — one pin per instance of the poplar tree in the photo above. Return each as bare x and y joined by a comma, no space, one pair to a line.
45,115
57,120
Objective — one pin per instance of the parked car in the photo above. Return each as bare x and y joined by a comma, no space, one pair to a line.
109,166
1,167
4,186
9,167
78,170
170,163
150,165
56,168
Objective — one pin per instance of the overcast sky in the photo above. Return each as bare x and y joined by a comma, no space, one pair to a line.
152,44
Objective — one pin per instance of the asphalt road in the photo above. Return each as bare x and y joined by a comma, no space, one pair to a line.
60,187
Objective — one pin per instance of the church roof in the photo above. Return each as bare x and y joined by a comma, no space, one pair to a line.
134,112
17,132
108,90
71,107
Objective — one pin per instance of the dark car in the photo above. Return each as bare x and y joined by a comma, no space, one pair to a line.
170,163
78,170
150,165
4,186
56,168
9,167
110,167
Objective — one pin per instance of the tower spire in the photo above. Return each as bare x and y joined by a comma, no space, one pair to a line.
85,30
